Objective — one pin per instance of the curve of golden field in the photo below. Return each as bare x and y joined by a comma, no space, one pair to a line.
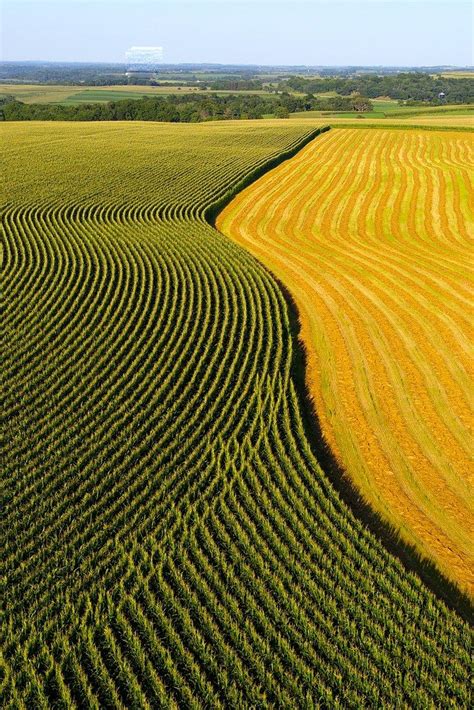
370,230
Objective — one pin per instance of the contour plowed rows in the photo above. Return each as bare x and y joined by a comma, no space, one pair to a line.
371,230
169,539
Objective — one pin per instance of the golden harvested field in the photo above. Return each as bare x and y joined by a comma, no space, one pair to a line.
458,74
436,121
370,231
456,121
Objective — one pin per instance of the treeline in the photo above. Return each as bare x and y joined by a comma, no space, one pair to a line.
64,73
355,102
179,109
117,75
235,85
102,74
410,86
176,109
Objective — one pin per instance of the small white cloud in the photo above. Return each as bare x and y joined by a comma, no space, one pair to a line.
144,56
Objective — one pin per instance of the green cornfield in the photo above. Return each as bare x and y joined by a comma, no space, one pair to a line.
169,538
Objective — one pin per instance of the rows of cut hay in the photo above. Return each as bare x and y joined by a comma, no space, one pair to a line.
370,231
170,540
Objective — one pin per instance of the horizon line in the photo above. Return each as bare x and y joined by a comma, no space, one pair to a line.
237,64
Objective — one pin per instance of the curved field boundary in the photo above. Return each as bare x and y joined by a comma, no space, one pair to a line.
370,231
210,213
169,537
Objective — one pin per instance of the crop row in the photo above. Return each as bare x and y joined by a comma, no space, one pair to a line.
170,538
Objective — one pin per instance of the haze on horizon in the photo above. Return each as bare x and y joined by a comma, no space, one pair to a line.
272,32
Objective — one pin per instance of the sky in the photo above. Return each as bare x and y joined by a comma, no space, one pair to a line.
284,32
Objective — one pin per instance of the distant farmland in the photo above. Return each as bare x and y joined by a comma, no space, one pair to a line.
50,93
389,109
170,539
370,231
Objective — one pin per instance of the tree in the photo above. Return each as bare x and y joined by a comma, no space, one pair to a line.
282,112
360,103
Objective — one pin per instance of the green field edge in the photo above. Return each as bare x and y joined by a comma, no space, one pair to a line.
410,557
